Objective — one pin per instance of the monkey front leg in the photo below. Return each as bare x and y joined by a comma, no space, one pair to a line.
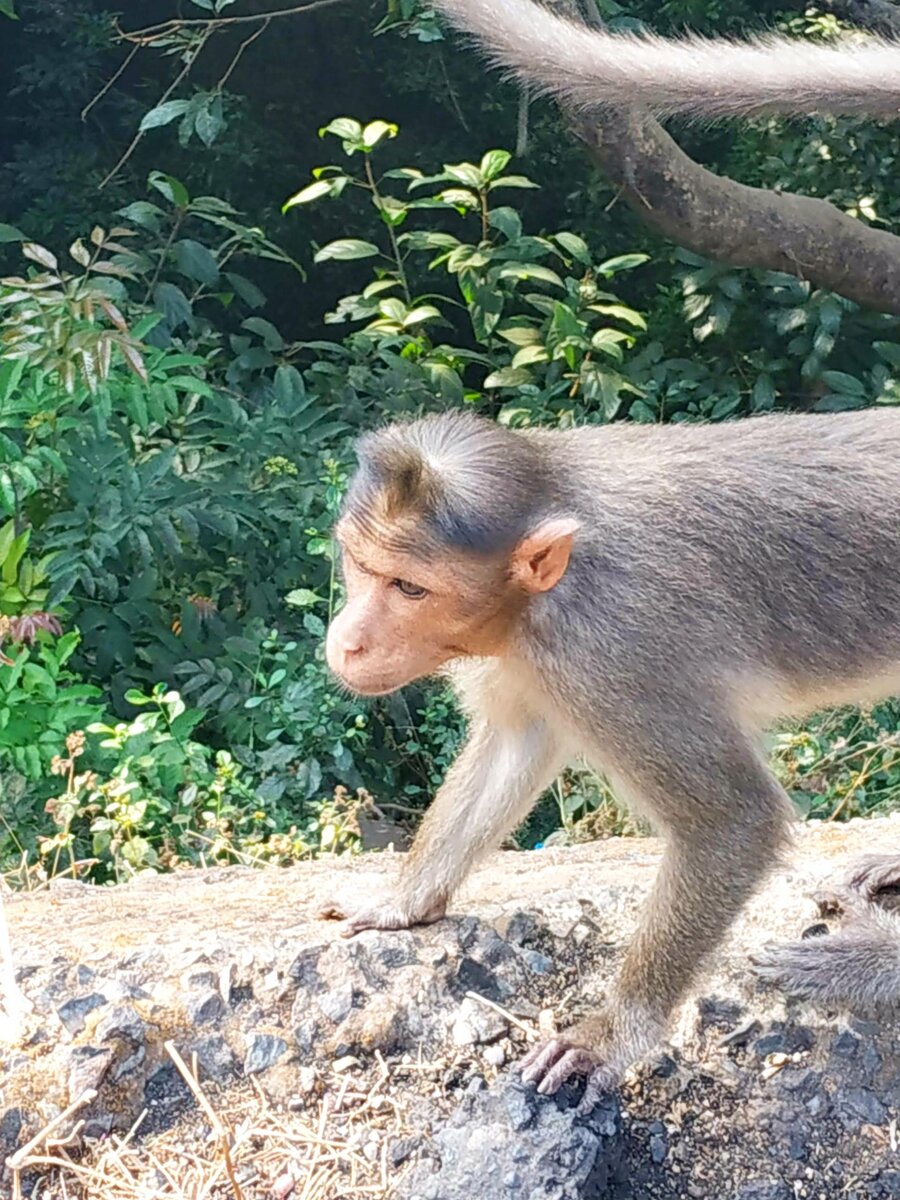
717,855
488,791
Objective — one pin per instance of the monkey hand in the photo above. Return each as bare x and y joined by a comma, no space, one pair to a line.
396,913
599,1047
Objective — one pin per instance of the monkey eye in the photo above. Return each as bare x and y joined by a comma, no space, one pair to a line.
412,591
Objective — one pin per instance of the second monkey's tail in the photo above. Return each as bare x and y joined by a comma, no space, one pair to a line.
693,76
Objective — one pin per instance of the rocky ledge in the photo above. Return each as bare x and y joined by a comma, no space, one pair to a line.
227,973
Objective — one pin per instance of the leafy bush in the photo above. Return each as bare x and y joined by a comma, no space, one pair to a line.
171,466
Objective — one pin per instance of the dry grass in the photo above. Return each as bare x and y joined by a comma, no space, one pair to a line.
244,1149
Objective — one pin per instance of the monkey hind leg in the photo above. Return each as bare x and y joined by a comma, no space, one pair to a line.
858,967
728,821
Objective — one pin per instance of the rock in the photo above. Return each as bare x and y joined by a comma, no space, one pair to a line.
121,1023
205,1007
765,1189
476,1024
73,1012
263,1051
215,1057
857,1106
481,1151
336,1003
87,1068
751,1093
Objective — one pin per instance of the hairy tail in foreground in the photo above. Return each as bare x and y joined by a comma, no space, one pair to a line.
858,966
693,76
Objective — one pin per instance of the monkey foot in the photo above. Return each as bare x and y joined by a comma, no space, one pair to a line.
552,1063
391,915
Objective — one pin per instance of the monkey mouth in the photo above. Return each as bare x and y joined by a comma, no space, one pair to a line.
370,688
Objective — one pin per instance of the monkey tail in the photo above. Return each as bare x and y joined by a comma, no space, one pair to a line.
696,77
858,967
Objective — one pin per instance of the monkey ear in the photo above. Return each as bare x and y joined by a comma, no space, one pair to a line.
540,559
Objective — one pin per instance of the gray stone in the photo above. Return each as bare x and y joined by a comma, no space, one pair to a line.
856,1106
205,1007
215,1057
765,1189
87,1068
73,1012
121,1023
336,1003
563,1157
537,963
263,1051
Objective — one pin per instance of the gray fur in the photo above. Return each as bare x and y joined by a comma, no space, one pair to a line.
858,966
691,76
721,576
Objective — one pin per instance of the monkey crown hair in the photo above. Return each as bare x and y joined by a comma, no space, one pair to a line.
459,480
693,76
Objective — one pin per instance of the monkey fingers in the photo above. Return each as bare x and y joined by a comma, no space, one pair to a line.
550,1064
388,916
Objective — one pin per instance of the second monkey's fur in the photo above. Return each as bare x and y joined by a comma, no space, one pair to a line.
692,76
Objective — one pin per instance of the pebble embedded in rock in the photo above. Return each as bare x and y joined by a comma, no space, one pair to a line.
73,1012
263,1051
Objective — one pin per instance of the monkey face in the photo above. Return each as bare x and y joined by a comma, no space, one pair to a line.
409,612
407,615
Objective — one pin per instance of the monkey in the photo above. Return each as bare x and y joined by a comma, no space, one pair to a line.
647,598
858,967
694,77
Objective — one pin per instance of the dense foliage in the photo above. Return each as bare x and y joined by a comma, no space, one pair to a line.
184,364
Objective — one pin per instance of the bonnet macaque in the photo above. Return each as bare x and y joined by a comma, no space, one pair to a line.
648,598
696,77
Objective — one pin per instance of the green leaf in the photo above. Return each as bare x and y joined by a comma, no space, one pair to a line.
251,295
302,598
513,181
376,131
196,261
272,339
170,187
7,9
465,173
508,377
345,249
507,220
574,245
163,114
173,304
840,381
314,191
210,120
9,233
493,163
889,351
345,128
623,262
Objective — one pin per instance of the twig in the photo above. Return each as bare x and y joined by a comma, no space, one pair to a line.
240,50
15,1161
138,137
151,32
218,1128
113,79
523,1025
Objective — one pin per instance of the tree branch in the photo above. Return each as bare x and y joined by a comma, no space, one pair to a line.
746,226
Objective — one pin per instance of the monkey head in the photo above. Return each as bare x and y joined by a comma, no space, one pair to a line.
441,550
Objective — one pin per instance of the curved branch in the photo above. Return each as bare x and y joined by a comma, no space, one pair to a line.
745,226
151,32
